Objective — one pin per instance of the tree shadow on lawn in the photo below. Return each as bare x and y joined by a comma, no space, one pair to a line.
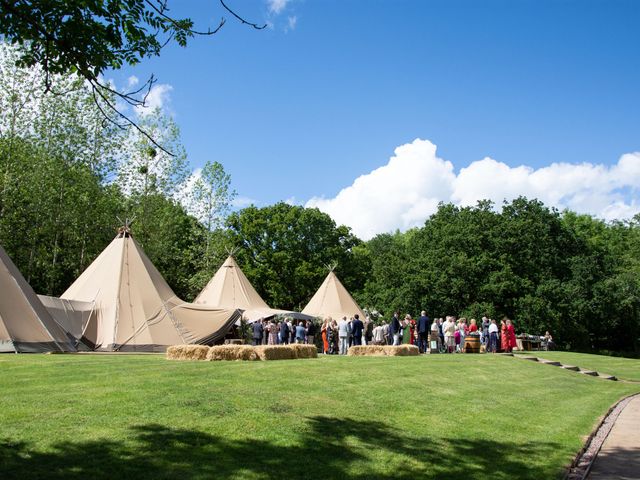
330,448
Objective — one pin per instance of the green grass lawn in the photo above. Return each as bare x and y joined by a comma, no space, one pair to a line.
623,368
461,416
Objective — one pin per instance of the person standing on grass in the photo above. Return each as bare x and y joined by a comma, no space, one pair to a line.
324,332
449,330
511,336
493,336
258,331
435,335
343,333
273,333
335,339
300,332
485,330
284,332
292,331
368,330
473,326
311,332
394,329
462,326
504,341
357,328
350,332
423,331
406,330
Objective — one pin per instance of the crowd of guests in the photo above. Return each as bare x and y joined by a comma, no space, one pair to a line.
284,332
442,334
446,335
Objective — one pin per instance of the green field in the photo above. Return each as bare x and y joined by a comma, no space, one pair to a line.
141,416
623,368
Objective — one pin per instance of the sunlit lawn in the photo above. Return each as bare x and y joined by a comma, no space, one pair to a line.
462,416
623,368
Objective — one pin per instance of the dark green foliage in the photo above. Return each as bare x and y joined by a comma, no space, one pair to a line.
571,274
284,250
89,36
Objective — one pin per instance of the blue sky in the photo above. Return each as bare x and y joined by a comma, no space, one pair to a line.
327,93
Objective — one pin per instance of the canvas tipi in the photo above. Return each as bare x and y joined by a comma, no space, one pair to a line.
25,325
333,300
136,309
230,288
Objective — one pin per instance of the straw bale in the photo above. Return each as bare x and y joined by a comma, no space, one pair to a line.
383,350
276,352
401,350
187,352
305,351
232,352
367,350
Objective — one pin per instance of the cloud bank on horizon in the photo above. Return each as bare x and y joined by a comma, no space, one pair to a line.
403,193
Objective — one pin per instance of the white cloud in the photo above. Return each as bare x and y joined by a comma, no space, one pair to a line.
400,194
277,6
404,192
291,23
132,81
242,202
159,97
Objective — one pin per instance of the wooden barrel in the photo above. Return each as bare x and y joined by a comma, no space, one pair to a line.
472,344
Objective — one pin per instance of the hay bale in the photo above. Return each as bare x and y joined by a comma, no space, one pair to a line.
383,350
232,352
366,350
305,351
402,350
276,352
187,352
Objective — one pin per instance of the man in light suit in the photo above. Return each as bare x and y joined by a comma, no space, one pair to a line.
343,334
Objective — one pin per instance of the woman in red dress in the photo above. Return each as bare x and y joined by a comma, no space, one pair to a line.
511,336
504,341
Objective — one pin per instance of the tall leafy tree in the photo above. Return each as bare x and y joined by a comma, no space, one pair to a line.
285,251
89,37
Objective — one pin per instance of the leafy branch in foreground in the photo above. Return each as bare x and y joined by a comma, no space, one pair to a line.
89,37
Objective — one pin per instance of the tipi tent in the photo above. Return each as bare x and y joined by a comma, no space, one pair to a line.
333,300
25,325
136,310
230,288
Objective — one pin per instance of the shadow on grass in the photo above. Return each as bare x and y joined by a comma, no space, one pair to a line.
330,448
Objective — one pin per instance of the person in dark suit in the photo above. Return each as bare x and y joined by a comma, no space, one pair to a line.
357,327
258,331
284,332
423,331
394,329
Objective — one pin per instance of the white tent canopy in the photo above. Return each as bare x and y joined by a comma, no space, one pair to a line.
136,310
25,324
333,300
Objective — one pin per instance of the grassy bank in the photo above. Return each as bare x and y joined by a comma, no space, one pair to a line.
462,416
623,368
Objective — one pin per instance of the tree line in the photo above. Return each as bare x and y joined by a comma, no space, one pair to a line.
68,179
